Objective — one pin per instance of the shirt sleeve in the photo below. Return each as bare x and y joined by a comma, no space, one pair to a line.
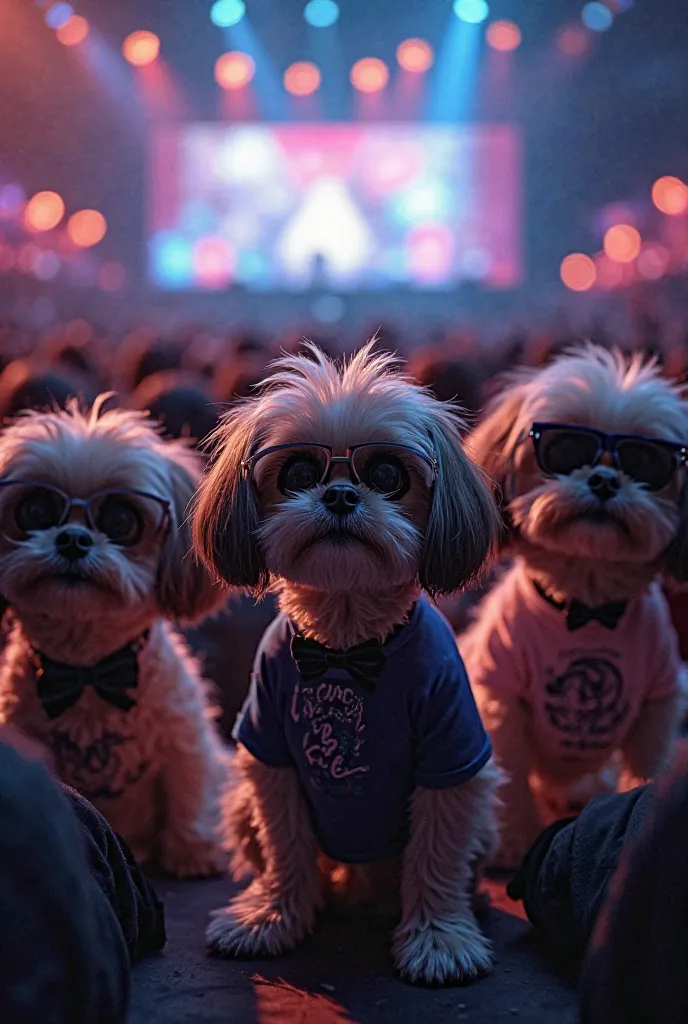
451,743
662,641
260,725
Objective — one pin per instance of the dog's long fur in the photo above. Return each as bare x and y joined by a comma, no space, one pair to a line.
158,770
252,536
571,556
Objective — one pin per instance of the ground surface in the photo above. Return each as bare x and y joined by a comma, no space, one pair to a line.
342,975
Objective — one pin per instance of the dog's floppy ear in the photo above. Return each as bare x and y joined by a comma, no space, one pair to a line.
677,553
227,513
186,590
463,522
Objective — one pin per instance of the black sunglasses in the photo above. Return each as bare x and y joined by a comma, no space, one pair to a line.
562,448
115,513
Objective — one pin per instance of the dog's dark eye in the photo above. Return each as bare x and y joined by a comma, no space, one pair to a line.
385,474
40,509
300,473
119,521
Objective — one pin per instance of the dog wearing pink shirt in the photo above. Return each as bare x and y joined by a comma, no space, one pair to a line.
572,658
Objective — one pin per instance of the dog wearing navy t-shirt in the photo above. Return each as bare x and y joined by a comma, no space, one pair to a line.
363,767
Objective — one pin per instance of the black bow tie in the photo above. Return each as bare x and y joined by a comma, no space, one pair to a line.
60,686
364,662
579,614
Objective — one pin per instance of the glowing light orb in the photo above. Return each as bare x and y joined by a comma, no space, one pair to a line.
653,261
415,56
12,198
86,228
58,15
301,78
622,243
597,17
504,36
573,40
321,13
234,70
73,31
369,75
44,211
141,48
578,272
225,13
46,266
471,11
670,196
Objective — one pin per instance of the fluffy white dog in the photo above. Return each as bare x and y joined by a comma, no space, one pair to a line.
345,489
573,659
94,558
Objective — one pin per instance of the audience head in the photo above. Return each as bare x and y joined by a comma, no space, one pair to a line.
180,402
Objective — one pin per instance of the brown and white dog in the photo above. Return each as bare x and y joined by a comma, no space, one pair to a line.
94,561
344,488
572,657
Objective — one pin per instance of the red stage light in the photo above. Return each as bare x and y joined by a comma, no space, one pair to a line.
573,40
234,70
301,78
86,228
415,56
73,31
504,36
578,272
141,48
670,196
369,75
44,211
622,243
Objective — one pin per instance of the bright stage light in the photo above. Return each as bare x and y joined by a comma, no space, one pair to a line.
415,56
141,48
578,272
622,243
86,228
58,15
504,36
44,211
369,75
670,196
471,11
234,70
321,13
597,17
73,31
301,78
653,261
225,13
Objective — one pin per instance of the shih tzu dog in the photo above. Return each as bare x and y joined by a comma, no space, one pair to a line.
573,659
94,559
363,763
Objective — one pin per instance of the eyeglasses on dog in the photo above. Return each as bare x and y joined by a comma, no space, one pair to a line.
382,466
562,448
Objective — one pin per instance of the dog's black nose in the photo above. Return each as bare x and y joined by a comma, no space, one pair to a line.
341,499
73,543
604,484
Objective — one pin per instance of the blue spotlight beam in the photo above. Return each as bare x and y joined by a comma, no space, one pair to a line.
454,77
266,83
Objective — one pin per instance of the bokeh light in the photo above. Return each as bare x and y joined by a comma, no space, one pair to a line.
573,40
141,48
578,272
321,13
622,243
653,261
44,211
234,70
471,11
86,228
46,266
301,78
226,13
12,199
670,196
597,17
610,274
504,36
73,31
58,15
415,56
369,75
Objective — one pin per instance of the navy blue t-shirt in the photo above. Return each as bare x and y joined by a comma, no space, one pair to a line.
360,755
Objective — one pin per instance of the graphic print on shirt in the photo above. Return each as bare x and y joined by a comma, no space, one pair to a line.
586,703
331,719
99,769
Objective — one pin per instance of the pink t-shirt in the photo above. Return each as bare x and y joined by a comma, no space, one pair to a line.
584,689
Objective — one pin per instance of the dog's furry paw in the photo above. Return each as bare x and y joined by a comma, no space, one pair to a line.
192,858
256,924
442,953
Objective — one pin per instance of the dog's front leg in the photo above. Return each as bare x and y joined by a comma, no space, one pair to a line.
438,940
278,908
